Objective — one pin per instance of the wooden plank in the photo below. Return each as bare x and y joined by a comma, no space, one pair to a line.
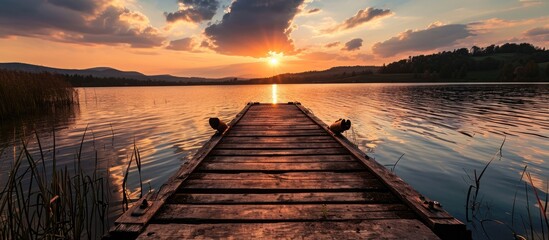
274,198
278,152
276,166
267,113
261,113
269,110
289,139
293,120
264,114
256,122
281,159
285,184
339,176
287,119
277,123
282,106
280,212
277,145
277,127
275,133
371,229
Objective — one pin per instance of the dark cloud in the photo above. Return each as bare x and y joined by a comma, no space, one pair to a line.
255,27
76,5
205,44
353,45
184,44
332,44
363,16
538,34
314,10
422,40
537,31
84,21
194,11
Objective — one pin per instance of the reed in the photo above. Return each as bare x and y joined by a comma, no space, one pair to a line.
40,203
532,226
393,166
472,203
23,93
47,201
126,194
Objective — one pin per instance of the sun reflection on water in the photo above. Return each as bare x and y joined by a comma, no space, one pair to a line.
275,94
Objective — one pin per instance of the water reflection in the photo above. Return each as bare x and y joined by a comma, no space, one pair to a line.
275,94
59,117
441,129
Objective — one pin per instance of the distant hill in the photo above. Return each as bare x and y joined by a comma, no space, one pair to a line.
332,75
106,76
106,72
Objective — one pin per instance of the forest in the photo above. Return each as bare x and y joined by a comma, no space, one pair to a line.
510,62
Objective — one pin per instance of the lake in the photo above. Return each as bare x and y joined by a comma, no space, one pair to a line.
443,133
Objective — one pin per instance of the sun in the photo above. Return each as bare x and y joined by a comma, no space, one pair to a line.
273,61
274,58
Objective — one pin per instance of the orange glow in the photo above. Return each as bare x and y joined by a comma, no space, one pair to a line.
274,58
273,62
275,94
151,61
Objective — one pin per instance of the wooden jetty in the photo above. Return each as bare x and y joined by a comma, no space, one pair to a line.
279,172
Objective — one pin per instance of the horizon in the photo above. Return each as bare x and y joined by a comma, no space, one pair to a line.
249,39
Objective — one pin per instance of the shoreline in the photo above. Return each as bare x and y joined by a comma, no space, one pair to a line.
327,83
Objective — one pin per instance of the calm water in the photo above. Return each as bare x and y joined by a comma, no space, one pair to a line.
444,132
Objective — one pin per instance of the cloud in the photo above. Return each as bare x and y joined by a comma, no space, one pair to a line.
537,31
84,22
529,3
539,34
332,44
434,37
81,6
184,44
363,16
365,57
323,56
314,10
205,44
255,27
489,25
193,11
353,45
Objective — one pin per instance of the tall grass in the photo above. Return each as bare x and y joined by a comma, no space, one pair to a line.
24,93
41,200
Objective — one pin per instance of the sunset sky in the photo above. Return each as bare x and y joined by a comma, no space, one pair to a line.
218,38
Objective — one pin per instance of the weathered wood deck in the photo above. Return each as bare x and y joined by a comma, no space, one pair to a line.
279,172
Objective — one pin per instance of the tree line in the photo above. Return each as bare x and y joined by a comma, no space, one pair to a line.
511,61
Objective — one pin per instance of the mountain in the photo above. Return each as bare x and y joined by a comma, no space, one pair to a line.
106,72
